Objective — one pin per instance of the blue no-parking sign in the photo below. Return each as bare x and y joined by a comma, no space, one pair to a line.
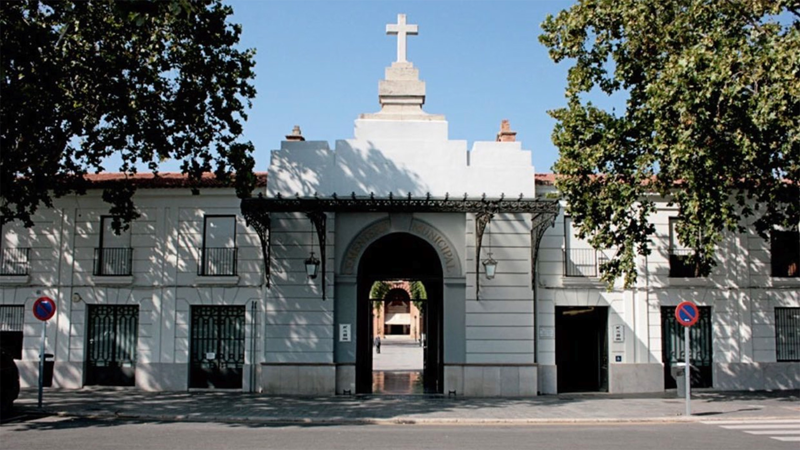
44,308
687,314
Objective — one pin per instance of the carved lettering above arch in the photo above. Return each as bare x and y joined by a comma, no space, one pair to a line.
448,254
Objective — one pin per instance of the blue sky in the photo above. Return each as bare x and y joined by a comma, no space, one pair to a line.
319,63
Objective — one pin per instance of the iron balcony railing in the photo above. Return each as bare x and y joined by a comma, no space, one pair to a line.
217,261
679,264
15,261
582,262
113,261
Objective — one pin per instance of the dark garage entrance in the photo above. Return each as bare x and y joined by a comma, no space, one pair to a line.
401,256
582,348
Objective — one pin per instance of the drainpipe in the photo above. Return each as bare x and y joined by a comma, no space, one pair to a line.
253,337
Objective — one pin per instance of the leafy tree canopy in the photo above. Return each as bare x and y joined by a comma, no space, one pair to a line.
148,80
380,289
711,120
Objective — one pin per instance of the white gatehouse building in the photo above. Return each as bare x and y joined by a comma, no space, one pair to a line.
272,294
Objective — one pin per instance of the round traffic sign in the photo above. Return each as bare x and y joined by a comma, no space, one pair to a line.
44,308
687,314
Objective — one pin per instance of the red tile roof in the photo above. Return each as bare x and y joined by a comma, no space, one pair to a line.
545,179
165,180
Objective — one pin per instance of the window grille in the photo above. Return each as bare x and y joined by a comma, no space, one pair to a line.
787,334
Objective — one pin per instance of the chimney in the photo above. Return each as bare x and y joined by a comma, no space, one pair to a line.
505,134
296,135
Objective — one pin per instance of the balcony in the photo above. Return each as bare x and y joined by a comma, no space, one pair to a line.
15,262
582,262
215,262
113,262
680,265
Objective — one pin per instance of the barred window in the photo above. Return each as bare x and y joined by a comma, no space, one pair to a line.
787,334
12,318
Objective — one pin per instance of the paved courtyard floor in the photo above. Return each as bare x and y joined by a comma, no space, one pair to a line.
397,369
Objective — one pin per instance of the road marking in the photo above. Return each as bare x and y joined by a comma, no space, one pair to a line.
774,432
784,430
737,422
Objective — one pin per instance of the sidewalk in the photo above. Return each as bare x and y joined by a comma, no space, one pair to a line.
235,406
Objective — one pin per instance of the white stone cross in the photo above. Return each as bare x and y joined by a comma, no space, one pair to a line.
401,30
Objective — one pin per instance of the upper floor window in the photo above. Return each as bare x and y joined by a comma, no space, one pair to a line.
114,256
787,334
218,254
14,251
580,259
680,265
785,249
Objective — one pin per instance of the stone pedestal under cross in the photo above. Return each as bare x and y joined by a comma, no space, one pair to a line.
402,30
401,93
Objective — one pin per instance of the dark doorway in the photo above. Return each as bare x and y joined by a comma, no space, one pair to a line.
582,348
401,256
672,347
111,355
217,347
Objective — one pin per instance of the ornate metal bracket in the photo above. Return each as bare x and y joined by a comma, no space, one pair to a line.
540,222
260,220
320,221
482,219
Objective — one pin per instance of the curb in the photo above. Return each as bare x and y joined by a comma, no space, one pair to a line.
400,420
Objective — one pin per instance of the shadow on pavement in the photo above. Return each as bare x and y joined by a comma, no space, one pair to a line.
100,407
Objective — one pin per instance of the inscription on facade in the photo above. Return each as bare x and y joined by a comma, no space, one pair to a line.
432,235
384,227
358,245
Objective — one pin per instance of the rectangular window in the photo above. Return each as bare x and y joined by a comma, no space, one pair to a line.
218,254
14,253
787,334
114,256
679,263
785,250
580,259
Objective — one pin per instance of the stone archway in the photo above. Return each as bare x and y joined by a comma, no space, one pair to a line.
446,252
392,257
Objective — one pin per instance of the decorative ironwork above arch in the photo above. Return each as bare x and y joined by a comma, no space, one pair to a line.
257,212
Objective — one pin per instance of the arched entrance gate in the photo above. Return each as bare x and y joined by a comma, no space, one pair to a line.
401,256
417,258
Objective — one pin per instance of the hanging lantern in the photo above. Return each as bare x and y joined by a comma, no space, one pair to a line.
490,266
312,266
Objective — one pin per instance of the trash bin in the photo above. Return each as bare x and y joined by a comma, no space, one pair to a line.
678,371
47,375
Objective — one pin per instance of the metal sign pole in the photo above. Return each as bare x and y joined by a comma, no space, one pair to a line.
41,361
687,358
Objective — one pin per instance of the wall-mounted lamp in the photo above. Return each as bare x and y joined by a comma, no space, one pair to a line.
76,297
490,266
312,266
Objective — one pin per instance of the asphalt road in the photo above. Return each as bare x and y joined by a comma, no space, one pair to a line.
59,433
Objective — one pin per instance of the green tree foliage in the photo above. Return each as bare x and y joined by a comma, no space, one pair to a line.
379,290
711,120
147,80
